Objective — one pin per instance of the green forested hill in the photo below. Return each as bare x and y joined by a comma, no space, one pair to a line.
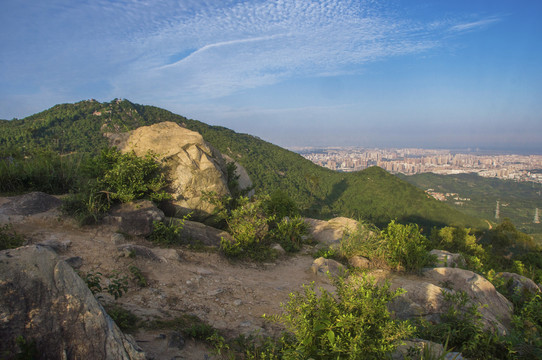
372,194
517,201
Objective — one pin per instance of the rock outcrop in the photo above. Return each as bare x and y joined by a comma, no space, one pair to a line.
447,259
28,204
424,296
134,218
194,167
330,232
44,301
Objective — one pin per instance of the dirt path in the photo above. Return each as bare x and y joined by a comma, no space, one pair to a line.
232,297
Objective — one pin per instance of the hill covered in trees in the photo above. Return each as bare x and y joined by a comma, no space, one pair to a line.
517,200
372,194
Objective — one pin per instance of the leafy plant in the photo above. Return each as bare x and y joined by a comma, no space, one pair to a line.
125,320
352,324
27,349
289,233
138,276
168,233
9,239
407,247
365,240
116,285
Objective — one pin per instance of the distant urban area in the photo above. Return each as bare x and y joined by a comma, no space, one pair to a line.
414,161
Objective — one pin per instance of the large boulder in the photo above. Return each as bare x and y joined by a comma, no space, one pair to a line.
197,233
424,296
44,301
518,283
134,218
194,167
330,232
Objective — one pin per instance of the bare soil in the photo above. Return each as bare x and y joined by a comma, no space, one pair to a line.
230,296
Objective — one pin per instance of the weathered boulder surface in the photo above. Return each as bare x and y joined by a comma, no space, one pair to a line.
194,167
330,232
43,300
519,283
448,259
134,218
323,266
29,204
195,232
424,296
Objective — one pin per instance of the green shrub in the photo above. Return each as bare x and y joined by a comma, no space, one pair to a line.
115,284
462,328
365,240
168,233
9,239
125,319
112,177
407,247
41,171
281,205
249,228
289,233
138,276
352,324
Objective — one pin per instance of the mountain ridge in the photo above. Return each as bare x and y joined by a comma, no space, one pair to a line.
371,194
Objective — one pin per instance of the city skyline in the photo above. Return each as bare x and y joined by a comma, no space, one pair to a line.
429,74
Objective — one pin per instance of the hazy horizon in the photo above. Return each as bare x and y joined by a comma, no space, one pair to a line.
426,74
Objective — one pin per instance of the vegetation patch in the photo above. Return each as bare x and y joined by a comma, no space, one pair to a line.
9,239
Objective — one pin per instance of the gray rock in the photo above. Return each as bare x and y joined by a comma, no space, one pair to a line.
424,296
448,259
57,245
519,283
30,204
330,232
75,262
360,262
323,266
196,232
194,166
176,340
134,218
118,238
131,250
43,300
279,249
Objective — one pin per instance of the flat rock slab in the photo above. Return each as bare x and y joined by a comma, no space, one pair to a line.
29,204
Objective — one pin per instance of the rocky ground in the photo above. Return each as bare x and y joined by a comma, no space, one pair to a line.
230,296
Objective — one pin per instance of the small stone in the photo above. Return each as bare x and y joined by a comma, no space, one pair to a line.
237,302
176,340
118,239
215,292
75,262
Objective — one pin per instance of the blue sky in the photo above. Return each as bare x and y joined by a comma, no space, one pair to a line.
415,73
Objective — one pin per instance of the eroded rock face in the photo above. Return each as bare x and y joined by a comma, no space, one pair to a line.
447,259
45,301
194,166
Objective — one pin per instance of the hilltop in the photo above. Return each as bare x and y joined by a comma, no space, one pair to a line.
372,194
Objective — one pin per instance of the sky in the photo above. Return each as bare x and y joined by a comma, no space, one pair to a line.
416,73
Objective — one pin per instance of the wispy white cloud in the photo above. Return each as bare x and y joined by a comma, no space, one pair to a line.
473,25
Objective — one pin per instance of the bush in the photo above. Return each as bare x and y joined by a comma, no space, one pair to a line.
289,233
366,241
249,228
353,324
407,247
168,233
9,239
462,328
125,320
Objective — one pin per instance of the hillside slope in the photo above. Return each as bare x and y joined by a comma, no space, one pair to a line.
517,201
372,194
